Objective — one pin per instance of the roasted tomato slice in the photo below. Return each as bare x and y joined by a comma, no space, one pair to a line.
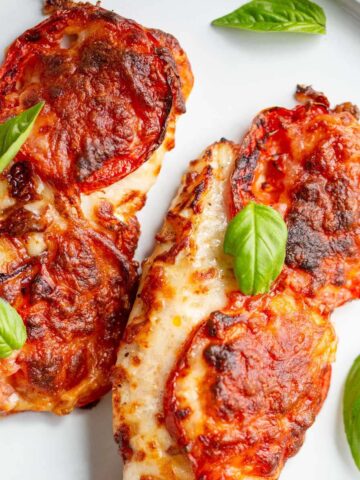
109,85
249,384
305,163
74,298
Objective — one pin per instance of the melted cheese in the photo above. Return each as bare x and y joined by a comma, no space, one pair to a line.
138,183
181,305
35,244
5,200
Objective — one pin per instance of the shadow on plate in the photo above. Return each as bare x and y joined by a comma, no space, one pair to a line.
103,459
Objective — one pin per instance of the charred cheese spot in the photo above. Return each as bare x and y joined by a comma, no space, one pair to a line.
122,438
21,181
51,6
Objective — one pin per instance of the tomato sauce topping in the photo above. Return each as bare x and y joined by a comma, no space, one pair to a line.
109,85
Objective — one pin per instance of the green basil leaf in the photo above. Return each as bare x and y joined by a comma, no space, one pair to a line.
351,410
256,237
276,16
12,330
14,133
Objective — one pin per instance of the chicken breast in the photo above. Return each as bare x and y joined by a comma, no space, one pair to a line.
211,384
68,228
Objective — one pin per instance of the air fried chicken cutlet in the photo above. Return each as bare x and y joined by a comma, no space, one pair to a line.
211,384
68,228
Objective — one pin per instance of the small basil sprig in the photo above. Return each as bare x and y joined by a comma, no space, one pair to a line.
299,16
256,237
14,133
351,410
12,330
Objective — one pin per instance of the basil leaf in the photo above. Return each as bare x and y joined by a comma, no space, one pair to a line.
351,410
276,16
12,330
14,133
256,237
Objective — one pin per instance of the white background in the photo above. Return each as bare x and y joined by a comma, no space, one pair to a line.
237,74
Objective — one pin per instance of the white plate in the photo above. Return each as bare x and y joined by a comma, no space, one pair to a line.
237,74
